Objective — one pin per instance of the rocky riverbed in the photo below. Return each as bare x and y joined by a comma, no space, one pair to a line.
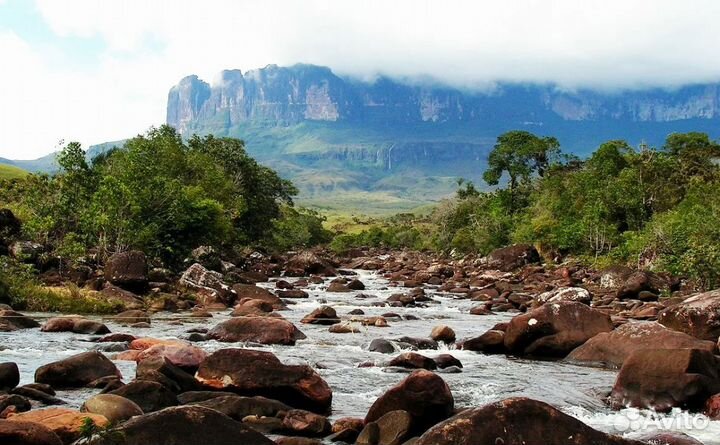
375,347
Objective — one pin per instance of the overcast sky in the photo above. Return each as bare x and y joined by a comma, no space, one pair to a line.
95,71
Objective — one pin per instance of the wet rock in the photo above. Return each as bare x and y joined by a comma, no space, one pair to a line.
160,369
413,360
27,433
149,396
344,328
258,293
18,402
698,316
44,397
382,346
187,425
185,357
555,329
423,394
337,286
115,408
260,373
348,423
513,257
491,342
132,316
77,325
324,315
444,361
516,421
263,330
208,284
238,407
11,320
356,285
252,307
297,441
116,338
565,294
480,310
443,334
419,343
293,293
127,270
309,263
9,376
612,348
76,371
64,422
661,379
305,423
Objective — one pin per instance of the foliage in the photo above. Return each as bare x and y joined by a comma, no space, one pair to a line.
160,195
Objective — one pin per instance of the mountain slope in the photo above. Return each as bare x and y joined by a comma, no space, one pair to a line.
11,172
334,135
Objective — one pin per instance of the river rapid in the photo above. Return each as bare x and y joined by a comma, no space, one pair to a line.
577,390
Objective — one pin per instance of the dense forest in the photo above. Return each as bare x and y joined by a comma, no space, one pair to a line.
648,208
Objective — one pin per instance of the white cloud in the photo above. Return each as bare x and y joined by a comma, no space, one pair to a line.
151,45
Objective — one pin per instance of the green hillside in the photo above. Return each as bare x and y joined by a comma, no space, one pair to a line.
11,172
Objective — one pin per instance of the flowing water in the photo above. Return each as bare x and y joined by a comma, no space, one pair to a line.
577,390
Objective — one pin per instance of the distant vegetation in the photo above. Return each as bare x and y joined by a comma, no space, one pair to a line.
651,208
11,172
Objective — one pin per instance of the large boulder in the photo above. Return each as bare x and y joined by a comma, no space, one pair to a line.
77,325
554,329
185,425
309,263
127,270
9,376
249,372
253,292
149,396
413,360
239,407
491,342
186,357
77,371
517,421
324,315
27,433
264,330
661,379
66,423
612,348
208,284
512,257
115,294
11,321
565,294
392,428
115,408
698,316
423,394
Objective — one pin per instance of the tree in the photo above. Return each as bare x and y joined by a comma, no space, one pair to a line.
520,155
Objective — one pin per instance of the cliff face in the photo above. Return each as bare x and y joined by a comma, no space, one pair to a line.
290,95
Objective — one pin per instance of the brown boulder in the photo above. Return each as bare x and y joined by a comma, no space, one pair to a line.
9,376
324,315
66,423
11,321
258,293
612,348
661,379
186,425
149,396
250,372
698,316
113,407
78,325
712,407
77,371
423,394
443,333
264,330
517,421
413,360
127,270
554,329
491,342
509,258
27,433
186,357
305,423
132,316
309,263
